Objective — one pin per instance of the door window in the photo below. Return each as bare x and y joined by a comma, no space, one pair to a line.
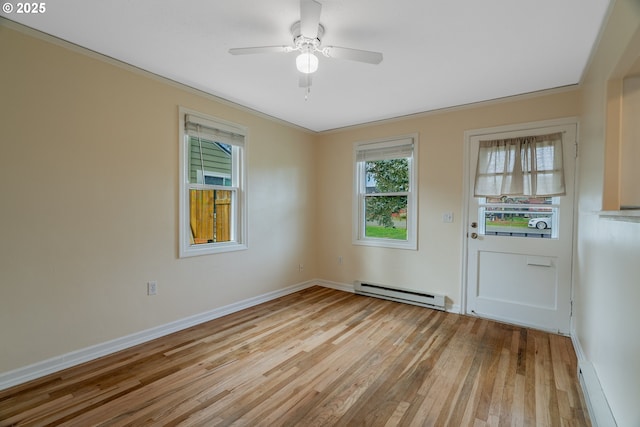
533,217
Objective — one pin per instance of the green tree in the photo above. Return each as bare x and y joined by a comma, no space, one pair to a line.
386,176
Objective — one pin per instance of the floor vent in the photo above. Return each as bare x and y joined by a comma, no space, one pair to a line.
400,295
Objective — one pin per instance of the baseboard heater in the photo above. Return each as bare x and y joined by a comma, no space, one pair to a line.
400,295
597,405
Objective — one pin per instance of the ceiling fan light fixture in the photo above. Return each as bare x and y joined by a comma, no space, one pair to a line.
307,62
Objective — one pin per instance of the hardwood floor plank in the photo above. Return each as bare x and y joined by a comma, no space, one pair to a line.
318,357
528,370
397,415
499,395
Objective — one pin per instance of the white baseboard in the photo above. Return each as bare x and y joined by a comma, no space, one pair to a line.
597,405
58,363
336,285
452,308
577,346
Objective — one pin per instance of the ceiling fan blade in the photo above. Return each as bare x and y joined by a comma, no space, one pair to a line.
353,54
309,18
304,80
260,49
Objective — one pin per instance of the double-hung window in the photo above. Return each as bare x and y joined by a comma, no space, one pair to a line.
212,185
385,193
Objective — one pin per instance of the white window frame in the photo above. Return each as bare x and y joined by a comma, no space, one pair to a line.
202,177
359,191
239,221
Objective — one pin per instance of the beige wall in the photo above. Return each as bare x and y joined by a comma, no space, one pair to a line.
436,265
607,291
88,178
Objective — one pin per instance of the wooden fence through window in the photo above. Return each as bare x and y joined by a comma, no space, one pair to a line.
210,216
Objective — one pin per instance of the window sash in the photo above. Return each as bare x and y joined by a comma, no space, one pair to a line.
209,160
407,218
232,214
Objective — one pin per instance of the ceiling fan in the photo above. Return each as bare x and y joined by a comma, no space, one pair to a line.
307,40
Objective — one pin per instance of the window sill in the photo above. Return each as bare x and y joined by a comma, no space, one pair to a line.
386,244
212,249
628,215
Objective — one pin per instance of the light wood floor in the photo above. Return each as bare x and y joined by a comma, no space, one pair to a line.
319,357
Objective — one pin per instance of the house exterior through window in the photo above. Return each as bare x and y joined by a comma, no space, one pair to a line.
212,185
385,193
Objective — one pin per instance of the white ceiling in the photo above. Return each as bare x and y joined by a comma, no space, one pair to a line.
437,53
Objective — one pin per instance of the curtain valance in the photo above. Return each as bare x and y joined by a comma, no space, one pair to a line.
524,166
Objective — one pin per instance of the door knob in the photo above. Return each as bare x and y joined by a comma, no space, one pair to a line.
474,235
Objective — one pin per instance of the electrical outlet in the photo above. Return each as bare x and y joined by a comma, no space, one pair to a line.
152,288
340,259
300,267
447,217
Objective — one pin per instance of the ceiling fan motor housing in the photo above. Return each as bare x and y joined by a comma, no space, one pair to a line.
301,42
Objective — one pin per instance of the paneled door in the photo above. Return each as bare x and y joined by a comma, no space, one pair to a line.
519,248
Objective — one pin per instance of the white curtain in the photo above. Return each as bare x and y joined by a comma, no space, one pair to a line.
526,166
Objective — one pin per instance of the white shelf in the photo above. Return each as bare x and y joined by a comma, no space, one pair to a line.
630,215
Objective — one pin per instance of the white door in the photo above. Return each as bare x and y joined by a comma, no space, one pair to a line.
519,249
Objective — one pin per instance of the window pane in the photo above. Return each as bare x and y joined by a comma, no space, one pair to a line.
208,159
519,217
210,216
217,180
387,176
386,217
